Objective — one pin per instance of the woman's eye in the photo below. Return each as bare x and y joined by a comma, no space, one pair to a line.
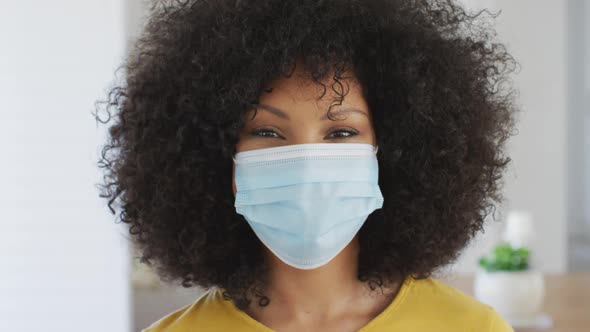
342,133
265,133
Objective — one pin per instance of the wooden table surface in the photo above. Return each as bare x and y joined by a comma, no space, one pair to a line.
567,300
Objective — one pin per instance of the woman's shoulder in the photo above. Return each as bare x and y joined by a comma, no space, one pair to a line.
440,293
434,298
206,311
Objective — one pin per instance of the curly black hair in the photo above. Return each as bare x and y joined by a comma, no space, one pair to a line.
434,77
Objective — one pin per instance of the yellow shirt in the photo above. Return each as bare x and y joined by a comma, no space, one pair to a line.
425,305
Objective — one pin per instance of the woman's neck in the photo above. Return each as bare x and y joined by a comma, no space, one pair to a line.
310,297
326,289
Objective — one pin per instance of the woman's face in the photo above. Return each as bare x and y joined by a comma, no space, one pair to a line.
293,113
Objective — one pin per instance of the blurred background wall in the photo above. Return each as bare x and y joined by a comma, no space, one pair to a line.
535,33
64,265
578,98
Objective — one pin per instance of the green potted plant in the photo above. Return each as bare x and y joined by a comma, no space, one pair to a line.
506,282
506,258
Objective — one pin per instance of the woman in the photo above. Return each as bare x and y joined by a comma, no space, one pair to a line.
311,164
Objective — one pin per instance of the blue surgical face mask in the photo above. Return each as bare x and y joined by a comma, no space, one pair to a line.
306,202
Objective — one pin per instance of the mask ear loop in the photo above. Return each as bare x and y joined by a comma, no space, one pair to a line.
376,149
233,156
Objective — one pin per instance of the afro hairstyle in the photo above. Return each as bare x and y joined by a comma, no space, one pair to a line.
434,77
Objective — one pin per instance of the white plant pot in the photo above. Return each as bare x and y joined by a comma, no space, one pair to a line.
515,295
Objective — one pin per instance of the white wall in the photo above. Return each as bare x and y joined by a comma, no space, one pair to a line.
63,261
535,33
579,135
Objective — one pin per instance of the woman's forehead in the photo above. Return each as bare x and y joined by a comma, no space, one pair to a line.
296,92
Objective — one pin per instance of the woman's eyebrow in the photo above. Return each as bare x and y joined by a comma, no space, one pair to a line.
274,110
281,114
343,111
